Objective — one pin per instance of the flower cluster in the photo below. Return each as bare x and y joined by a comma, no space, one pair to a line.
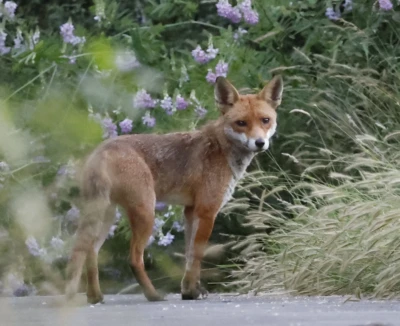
166,104
332,14
9,9
67,33
385,5
109,128
34,248
200,111
181,103
143,100
148,120
126,126
3,48
202,56
161,222
235,14
221,69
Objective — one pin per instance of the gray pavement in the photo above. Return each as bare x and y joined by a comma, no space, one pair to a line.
221,310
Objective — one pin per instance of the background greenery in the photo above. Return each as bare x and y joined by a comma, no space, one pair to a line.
320,208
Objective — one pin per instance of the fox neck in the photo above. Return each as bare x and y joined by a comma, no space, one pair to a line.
238,157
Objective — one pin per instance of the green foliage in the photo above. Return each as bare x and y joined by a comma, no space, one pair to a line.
340,107
325,220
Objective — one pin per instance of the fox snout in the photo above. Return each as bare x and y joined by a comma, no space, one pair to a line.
256,143
259,142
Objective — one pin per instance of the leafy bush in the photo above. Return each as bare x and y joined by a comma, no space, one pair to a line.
76,73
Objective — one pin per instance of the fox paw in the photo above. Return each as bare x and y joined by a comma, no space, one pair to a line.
155,297
95,299
193,294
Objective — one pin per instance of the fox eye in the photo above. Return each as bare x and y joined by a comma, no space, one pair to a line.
241,123
265,120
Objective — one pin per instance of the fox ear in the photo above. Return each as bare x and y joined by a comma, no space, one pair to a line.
272,92
225,94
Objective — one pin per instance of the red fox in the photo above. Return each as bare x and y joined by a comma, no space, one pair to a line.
198,170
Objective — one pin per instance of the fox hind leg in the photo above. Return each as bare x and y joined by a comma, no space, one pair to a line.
88,232
93,293
141,219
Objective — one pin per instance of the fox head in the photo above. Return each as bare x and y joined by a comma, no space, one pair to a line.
249,120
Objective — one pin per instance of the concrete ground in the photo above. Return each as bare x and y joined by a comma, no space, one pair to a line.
220,310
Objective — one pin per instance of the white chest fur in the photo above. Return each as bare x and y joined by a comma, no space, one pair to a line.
238,162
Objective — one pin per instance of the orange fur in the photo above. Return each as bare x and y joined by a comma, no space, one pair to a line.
196,169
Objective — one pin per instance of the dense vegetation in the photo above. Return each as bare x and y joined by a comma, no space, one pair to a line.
320,206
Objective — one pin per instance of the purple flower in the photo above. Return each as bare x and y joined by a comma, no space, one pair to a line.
57,243
211,77
235,16
109,128
177,226
224,8
72,214
331,14
33,246
158,224
10,7
143,100
126,126
385,5
221,69
211,52
348,5
202,56
166,239
199,55
3,48
200,111
148,120
250,16
181,103
160,206
166,104
67,32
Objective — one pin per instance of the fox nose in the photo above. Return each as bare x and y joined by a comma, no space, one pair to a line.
260,143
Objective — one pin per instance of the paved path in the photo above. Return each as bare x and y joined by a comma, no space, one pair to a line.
220,310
